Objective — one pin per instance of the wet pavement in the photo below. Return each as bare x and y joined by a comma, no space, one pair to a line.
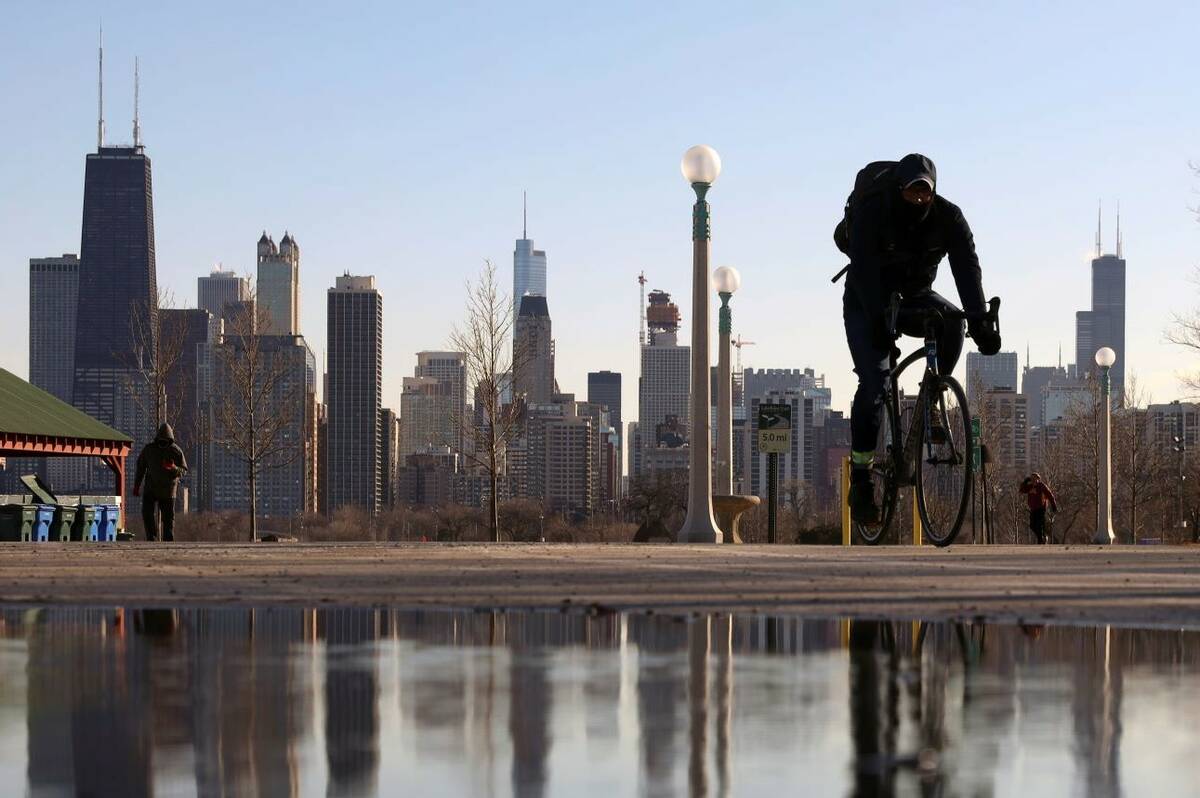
286,701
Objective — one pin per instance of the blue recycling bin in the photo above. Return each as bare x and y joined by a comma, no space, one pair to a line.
42,521
106,527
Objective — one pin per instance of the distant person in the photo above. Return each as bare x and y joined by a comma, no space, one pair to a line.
161,464
1039,497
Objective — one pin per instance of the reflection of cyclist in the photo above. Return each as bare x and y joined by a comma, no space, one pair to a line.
896,230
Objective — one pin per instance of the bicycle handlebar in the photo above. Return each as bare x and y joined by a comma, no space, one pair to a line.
990,316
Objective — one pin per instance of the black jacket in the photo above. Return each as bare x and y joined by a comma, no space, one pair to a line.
896,246
152,465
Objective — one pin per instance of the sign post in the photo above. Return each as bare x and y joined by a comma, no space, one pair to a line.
774,439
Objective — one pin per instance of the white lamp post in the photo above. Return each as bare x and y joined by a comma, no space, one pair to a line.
1105,357
701,165
726,281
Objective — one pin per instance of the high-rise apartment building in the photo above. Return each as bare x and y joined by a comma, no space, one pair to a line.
278,288
664,388
1006,427
53,305
985,372
220,288
389,439
1104,324
426,405
529,271
354,398
570,465
116,329
533,351
447,367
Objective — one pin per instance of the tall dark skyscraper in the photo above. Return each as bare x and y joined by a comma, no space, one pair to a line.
1104,324
117,287
354,394
604,388
533,350
53,303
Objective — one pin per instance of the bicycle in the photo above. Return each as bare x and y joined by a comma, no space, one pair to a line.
934,453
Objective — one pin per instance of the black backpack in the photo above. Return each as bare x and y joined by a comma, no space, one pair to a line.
872,179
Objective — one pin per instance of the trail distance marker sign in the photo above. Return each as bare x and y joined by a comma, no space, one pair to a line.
774,428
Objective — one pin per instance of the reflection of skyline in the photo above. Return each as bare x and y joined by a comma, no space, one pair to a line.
237,702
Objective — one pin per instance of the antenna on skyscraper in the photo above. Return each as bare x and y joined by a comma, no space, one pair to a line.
1099,215
525,215
137,127
100,94
642,309
1120,248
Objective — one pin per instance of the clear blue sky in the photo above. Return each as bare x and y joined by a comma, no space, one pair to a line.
396,140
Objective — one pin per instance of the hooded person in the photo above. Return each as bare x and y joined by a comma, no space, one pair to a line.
896,238
160,466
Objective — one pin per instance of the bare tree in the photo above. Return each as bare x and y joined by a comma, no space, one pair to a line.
255,403
155,349
485,340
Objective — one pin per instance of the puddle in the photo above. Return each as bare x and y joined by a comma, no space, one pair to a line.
363,702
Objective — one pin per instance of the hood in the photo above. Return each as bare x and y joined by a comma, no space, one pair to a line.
165,433
915,166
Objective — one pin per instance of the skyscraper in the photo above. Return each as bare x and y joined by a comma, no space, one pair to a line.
355,346
664,390
1034,380
116,330
533,351
985,372
529,269
220,288
425,411
53,303
1104,324
604,388
278,290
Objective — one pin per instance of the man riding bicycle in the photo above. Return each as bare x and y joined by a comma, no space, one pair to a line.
896,230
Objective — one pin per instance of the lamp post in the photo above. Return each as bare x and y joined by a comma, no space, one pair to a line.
726,281
700,167
1105,357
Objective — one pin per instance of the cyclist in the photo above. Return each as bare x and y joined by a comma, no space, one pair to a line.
896,232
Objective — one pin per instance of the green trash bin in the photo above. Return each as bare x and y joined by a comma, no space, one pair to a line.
84,526
64,520
16,522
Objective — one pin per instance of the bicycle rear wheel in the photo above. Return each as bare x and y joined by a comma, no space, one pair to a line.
944,462
885,480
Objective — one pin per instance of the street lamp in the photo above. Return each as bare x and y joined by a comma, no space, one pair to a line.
1105,357
726,281
700,166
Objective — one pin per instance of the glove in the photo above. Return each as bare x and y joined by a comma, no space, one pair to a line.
986,337
168,465
137,490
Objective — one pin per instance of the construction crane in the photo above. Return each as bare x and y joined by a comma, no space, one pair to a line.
739,343
642,309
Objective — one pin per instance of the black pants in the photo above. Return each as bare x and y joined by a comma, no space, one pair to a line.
871,363
1037,523
166,509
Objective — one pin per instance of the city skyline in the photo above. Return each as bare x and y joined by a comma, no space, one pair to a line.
1024,241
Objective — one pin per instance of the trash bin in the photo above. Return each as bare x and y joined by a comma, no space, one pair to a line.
84,526
16,521
106,526
42,520
64,519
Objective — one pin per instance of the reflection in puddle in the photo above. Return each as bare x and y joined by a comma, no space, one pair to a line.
360,702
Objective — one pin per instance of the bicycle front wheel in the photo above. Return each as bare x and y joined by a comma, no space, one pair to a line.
944,462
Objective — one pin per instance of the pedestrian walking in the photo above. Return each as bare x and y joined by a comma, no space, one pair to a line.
160,465
1039,498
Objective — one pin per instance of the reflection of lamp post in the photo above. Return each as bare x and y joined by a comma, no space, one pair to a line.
1105,357
700,167
726,281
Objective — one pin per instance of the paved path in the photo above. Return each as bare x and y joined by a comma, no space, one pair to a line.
1144,586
